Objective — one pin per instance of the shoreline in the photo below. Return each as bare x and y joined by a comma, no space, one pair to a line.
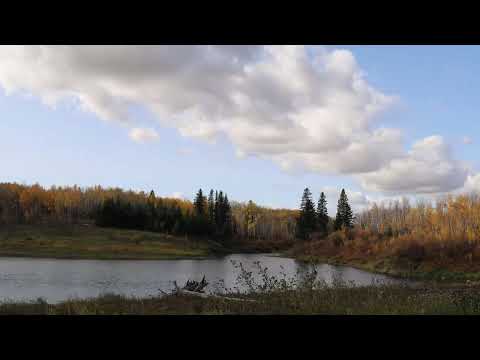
103,258
385,267
368,300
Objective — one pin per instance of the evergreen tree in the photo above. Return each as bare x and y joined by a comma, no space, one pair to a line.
151,198
344,217
211,208
307,219
215,209
227,226
151,212
322,214
348,215
219,216
199,204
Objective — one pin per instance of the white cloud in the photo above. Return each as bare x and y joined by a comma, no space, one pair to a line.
301,109
472,184
428,167
467,140
142,135
273,101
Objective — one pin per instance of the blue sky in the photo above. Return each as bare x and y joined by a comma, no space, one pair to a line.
436,88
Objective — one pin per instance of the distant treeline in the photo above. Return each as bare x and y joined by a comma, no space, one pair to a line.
212,219
211,215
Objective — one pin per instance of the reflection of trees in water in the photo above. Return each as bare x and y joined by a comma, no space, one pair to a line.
307,274
320,273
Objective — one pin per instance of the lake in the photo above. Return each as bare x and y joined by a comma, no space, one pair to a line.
56,279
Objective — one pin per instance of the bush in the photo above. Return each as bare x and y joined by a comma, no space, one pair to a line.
413,251
337,238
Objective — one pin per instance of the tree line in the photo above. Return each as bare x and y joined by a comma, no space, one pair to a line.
210,215
448,218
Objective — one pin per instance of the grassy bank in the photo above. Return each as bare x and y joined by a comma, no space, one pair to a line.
395,300
392,264
90,242
397,268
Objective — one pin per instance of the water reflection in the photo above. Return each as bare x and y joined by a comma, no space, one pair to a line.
56,280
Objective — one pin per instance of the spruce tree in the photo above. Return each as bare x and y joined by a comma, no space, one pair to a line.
322,214
215,209
307,219
199,204
227,211
219,219
344,217
339,216
151,212
211,207
347,214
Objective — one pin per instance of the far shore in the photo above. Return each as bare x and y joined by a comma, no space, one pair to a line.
77,242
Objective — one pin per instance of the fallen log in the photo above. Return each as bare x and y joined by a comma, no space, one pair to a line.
195,288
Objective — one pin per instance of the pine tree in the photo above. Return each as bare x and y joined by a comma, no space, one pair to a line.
215,209
307,219
227,211
339,216
344,217
151,211
219,218
211,208
199,204
322,213
347,214
151,198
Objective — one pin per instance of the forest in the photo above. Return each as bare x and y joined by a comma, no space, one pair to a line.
425,239
210,216
443,234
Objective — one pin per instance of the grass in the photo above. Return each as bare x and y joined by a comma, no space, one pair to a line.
90,242
369,300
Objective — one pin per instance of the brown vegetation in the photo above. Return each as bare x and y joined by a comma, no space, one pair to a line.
415,238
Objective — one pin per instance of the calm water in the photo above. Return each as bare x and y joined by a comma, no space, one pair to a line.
56,280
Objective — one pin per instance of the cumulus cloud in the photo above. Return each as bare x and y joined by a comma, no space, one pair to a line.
278,102
428,167
301,107
472,184
142,135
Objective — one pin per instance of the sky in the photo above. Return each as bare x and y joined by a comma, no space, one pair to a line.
259,122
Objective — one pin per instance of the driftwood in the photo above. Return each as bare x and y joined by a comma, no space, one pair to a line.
196,288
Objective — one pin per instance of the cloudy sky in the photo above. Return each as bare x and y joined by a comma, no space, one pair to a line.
260,122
